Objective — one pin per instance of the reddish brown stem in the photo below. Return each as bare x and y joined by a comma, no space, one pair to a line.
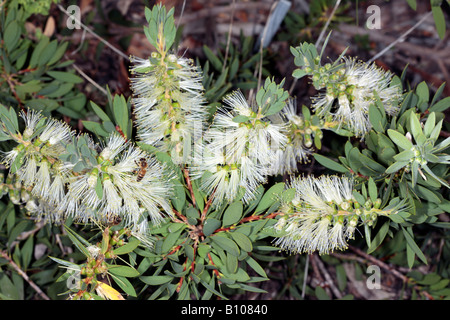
216,272
207,206
189,184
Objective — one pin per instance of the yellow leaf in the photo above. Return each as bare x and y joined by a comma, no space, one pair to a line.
107,292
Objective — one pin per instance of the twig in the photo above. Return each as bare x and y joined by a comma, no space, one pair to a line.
401,38
261,47
229,38
120,53
380,264
207,206
84,75
329,280
263,39
368,258
24,276
189,184
305,276
378,36
181,14
325,27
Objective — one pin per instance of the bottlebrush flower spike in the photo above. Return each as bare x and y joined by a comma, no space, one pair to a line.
323,215
168,103
239,150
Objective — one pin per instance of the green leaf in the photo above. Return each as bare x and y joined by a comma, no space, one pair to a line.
441,105
65,76
124,271
270,197
211,289
299,73
210,226
11,35
58,53
128,247
412,244
99,188
439,20
330,164
68,264
416,128
396,166
27,252
341,277
378,239
376,119
226,244
321,294
233,214
74,238
179,198
216,63
429,124
170,241
125,285
231,263
7,287
373,191
43,42
240,118
399,139
95,127
412,4
255,266
242,240
120,110
156,280
47,53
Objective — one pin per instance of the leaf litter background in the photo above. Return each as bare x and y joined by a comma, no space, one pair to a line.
207,22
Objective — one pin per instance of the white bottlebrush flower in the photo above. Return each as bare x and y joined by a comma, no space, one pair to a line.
286,159
238,155
356,91
168,104
27,173
42,183
142,232
55,132
31,118
111,200
116,144
316,224
9,157
151,192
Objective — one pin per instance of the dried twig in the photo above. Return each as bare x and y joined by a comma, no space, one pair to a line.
325,27
229,37
401,38
120,53
329,280
24,275
84,75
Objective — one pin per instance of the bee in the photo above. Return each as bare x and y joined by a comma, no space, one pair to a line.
142,170
114,220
